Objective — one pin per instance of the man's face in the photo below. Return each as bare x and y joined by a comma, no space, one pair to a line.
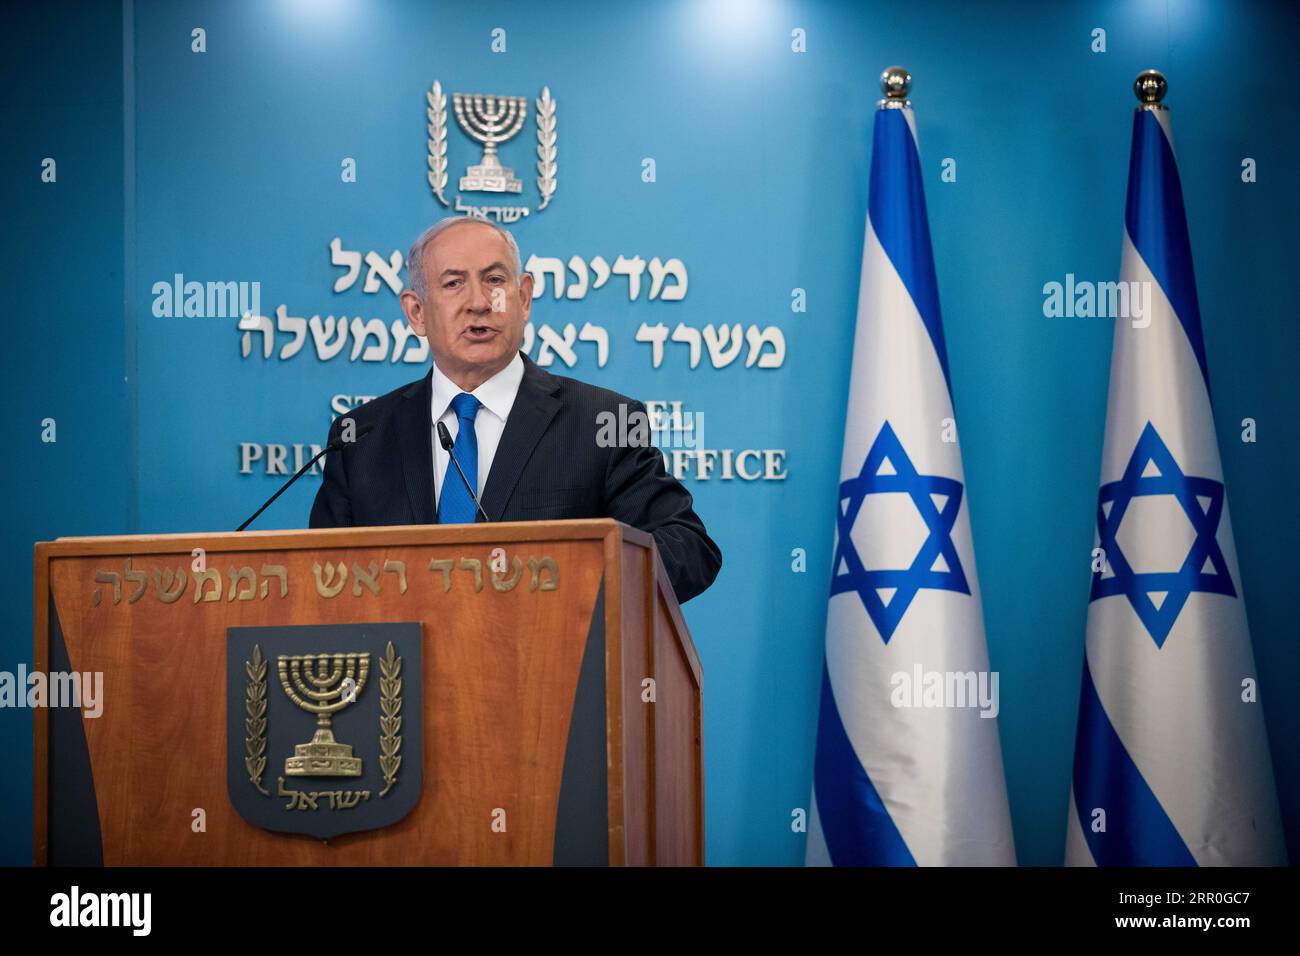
474,307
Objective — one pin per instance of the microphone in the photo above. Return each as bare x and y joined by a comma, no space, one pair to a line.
336,445
444,439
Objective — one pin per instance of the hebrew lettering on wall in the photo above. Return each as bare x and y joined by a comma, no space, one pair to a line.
565,346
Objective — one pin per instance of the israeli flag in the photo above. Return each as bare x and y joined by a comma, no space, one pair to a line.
908,767
1171,762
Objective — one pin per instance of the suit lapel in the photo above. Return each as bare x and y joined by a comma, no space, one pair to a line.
415,433
531,414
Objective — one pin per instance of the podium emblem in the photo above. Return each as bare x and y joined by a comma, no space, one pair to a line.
324,726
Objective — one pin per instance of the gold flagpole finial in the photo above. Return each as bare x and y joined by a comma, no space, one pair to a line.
1150,88
895,83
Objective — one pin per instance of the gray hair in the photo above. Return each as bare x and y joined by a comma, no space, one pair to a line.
415,258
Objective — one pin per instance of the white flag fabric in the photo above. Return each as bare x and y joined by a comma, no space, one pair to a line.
1171,764
908,766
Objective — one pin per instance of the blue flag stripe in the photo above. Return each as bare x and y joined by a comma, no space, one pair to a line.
897,211
854,820
1138,831
1157,226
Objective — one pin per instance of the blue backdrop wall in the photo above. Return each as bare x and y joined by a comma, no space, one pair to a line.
230,165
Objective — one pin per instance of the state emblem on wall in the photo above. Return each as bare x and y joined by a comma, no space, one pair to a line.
491,121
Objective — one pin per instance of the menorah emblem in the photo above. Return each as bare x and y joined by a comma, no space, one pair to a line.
323,685
490,120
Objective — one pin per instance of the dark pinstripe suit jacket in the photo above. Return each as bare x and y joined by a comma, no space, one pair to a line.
547,466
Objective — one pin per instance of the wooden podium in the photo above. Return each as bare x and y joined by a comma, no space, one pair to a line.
561,697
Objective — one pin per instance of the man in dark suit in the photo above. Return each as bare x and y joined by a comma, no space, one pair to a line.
532,443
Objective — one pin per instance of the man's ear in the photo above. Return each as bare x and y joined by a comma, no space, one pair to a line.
526,294
413,308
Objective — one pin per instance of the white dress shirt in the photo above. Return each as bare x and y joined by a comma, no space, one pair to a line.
497,396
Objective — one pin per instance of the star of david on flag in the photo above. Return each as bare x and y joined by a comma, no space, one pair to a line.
1158,596
887,593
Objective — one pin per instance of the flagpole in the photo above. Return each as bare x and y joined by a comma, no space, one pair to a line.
1179,774
904,774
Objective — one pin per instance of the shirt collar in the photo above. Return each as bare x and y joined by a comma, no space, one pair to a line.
497,394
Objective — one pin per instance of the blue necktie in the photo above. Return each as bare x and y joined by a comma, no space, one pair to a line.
455,506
